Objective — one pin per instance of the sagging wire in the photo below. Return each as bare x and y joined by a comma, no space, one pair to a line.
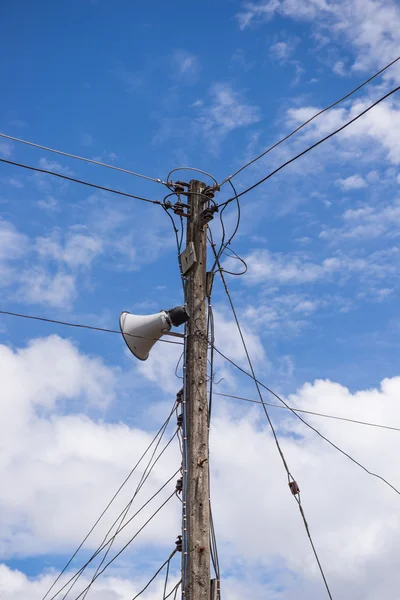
167,562
111,501
291,481
128,543
123,515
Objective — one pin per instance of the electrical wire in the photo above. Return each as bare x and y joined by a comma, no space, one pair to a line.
170,183
310,412
305,422
162,429
128,543
167,562
87,160
123,515
291,479
80,326
228,179
174,589
89,184
327,137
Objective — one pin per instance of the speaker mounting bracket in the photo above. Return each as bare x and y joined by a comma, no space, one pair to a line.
188,258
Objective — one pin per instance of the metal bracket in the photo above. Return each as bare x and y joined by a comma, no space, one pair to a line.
188,258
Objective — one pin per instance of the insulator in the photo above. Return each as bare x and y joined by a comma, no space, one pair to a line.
294,488
178,543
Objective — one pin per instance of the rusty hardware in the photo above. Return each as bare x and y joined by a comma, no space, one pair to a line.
201,461
294,488
178,543
179,208
200,549
208,214
179,420
179,485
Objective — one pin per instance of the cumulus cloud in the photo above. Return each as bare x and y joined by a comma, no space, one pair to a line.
226,112
370,26
354,182
56,458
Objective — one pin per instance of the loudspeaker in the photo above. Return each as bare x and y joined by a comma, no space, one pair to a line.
141,332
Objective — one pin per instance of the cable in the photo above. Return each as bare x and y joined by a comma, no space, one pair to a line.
128,543
191,169
310,412
93,185
155,575
88,160
163,426
125,511
309,121
327,137
174,589
306,423
13,314
166,579
291,480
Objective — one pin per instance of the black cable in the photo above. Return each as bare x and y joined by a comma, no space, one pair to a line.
112,500
310,412
305,422
93,185
155,575
291,479
13,314
124,513
174,589
129,542
228,179
166,580
327,137
83,158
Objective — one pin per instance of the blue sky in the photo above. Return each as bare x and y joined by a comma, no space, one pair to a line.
152,87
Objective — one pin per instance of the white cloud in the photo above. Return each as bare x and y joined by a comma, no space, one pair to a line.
281,51
185,65
6,149
78,250
14,182
269,268
371,26
56,459
339,68
226,112
53,165
368,222
354,182
40,286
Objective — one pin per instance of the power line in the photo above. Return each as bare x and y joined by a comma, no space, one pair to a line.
161,430
155,575
305,422
68,178
124,513
309,120
291,481
309,412
327,137
83,158
126,545
80,326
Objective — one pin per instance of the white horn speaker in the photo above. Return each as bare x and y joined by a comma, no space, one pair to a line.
141,332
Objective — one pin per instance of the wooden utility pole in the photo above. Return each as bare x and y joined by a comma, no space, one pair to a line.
196,583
